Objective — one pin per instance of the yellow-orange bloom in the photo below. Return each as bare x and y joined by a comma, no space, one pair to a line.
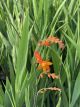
45,66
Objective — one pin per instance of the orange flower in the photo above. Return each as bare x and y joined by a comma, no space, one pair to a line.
44,43
38,57
44,65
61,45
56,40
53,39
53,75
50,40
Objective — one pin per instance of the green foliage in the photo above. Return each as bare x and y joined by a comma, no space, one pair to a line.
22,24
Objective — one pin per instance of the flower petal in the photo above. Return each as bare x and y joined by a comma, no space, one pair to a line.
37,56
44,43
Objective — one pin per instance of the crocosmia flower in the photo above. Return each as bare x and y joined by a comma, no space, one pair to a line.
44,65
44,43
50,40
53,39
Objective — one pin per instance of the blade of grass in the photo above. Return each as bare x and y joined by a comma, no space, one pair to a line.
76,91
1,95
22,55
57,14
35,9
27,101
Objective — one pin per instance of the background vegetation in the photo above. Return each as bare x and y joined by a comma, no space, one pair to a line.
22,24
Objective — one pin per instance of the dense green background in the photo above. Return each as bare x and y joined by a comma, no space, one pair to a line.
22,24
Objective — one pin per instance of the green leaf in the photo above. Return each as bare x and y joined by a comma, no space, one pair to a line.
40,8
22,54
56,61
4,40
11,33
23,47
76,91
27,101
71,6
1,105
35,8
1,95
12,75
77,46
56,17
8,102
59,102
